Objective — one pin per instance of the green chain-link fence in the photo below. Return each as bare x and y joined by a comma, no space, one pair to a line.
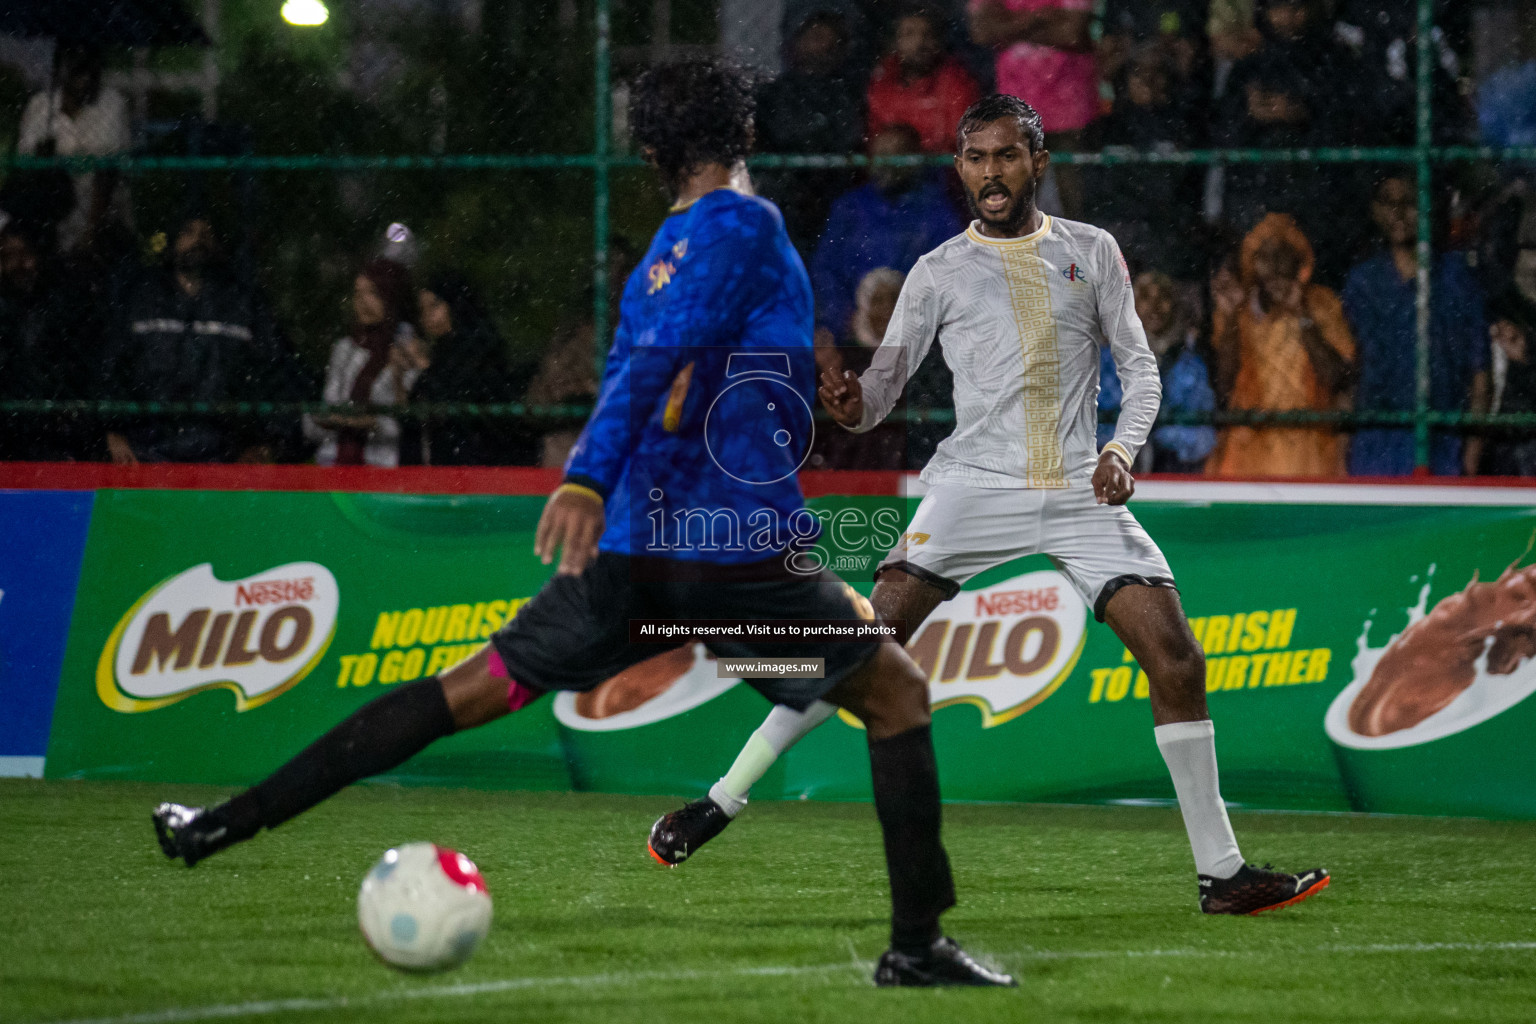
1423,156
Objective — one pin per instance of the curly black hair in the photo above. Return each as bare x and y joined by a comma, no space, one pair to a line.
690,113
997,107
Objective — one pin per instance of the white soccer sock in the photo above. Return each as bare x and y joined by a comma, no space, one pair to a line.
781,730
1189,748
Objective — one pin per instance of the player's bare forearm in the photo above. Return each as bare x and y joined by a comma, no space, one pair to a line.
1112,480
843,396
572,523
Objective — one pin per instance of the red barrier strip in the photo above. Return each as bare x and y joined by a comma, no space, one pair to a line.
87,476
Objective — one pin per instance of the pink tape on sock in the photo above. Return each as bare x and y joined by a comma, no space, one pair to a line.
518,695
495,665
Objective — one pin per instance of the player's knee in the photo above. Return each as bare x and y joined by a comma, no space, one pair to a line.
1180,664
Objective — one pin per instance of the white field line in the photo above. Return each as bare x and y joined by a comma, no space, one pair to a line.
269,1007
1383,947
264,1007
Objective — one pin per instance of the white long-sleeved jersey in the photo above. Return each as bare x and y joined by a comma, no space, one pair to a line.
1021,321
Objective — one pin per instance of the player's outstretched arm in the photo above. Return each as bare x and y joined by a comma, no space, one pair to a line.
843,396
908,337
1142,387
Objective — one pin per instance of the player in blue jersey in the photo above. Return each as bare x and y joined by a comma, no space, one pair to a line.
680,502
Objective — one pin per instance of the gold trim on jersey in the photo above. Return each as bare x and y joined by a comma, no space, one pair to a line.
1030,293
682,207
1033,236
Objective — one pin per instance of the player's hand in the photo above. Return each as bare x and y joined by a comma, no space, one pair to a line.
1112,482
843,396
573,522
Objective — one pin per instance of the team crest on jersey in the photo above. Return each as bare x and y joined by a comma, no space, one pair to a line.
660,275
1073,273
661,272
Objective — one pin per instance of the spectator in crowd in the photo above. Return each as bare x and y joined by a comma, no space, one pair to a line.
567,375
187,332
50,338
1506,106
1175,30
1232,35
82,117
459,357
1383,35
815,106
1045,56
1300,85
366,369
1512,329
1175,447
920,83
1295,92
1380,302
854,22
1152,210
1503,223
902,213
874,305
1281,344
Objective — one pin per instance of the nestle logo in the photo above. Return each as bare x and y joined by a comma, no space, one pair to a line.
256,636
1017,602
275,591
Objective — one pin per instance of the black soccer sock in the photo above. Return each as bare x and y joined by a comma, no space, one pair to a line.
906,783
373,739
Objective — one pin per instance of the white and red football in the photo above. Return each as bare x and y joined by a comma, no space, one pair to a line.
424,907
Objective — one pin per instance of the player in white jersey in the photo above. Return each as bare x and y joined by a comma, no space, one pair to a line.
1021,303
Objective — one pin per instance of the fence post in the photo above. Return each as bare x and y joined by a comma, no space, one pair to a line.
1423,141
602,125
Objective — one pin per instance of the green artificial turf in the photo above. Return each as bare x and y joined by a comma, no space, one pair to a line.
778,920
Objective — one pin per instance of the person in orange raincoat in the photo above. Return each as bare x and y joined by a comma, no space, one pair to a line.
1281,343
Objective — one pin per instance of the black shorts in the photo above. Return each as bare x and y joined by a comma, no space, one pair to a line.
575,632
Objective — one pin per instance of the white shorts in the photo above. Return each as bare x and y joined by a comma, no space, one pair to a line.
960,530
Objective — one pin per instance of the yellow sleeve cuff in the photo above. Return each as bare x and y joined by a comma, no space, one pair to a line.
579,489
1117,449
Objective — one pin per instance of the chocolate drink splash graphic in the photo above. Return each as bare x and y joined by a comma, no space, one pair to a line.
1436,658
636,684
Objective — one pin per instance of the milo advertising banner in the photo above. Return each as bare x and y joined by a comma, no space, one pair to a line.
1360,655
215,634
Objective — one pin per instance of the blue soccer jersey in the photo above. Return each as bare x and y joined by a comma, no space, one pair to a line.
704,413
